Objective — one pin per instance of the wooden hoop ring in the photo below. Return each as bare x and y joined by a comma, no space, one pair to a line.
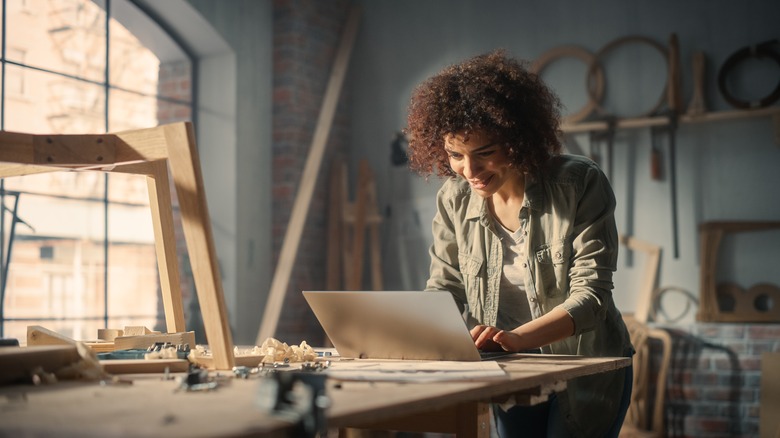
590,61
595,69
760,51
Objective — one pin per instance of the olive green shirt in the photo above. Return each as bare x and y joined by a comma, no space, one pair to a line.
571,247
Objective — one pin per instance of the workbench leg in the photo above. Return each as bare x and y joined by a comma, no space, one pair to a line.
473,420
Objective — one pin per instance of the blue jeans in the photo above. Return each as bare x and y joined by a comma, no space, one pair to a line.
545,419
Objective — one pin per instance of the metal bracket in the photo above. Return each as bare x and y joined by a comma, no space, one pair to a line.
297,397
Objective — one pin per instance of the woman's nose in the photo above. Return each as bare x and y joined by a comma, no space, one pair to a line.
470,168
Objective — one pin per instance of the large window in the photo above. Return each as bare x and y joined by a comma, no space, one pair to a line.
77,247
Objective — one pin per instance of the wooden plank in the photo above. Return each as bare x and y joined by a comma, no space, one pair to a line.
19,363
109,334
292,236
152,407
644,308
100,346
140,366
251,360
138,330
335,217
196,223
165,245
37,335
769,423
16,147
646,122
146,341
74,150
149,407
148,144
355,281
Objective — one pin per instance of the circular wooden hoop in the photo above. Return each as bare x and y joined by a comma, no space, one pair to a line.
596,70
760,51
590,61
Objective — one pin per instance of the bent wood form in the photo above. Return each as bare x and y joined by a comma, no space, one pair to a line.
150,152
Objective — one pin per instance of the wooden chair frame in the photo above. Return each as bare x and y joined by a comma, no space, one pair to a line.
643,419
148,152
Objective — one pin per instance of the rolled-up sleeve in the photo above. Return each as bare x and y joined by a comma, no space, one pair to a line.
444,270
594,253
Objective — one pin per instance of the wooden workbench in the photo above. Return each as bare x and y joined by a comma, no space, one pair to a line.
152,407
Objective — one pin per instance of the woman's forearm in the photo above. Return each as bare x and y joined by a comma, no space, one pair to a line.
551,327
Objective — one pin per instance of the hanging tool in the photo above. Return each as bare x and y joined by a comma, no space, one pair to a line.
608,138
698,106
672,129
674,102
656,133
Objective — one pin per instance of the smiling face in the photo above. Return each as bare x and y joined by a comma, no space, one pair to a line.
483,162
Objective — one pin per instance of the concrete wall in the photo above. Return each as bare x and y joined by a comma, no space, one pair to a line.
725,170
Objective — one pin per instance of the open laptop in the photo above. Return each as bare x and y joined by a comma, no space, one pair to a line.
395,325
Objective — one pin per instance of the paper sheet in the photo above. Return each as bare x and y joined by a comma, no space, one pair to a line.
414,371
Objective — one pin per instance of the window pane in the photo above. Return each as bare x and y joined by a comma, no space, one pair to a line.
58,271
54,104
132,111
132,66
132,281
144,58
57,264
67,36
75,185
128,110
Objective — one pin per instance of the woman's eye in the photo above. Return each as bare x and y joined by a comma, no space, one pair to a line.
486,153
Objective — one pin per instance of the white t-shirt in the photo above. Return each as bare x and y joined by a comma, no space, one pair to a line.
514,305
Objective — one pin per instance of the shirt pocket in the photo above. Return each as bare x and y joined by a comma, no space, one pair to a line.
470,268
552,266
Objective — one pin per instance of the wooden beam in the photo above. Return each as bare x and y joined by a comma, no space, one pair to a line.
187,177
165,245
644,307
311,169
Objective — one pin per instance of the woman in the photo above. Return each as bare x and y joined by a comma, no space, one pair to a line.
524,238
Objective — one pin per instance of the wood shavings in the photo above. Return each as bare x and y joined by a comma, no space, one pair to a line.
163,353
275,351
88,368
271,351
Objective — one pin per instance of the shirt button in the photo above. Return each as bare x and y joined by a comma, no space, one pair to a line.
558,255
525,265
533,299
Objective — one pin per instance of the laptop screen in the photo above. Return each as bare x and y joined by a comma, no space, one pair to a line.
393,324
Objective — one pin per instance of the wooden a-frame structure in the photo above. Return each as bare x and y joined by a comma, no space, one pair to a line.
148,152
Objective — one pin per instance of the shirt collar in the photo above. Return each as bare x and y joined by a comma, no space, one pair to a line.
533,199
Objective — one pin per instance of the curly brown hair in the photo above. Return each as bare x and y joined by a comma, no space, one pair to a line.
491,93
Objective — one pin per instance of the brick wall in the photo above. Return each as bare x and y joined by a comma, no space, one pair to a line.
715,378
306,37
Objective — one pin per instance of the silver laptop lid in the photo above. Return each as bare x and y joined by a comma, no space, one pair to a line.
393,324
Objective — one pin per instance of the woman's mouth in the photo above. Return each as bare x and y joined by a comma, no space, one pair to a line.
480,183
